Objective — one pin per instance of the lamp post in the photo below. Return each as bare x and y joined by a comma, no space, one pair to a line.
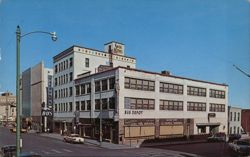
18,102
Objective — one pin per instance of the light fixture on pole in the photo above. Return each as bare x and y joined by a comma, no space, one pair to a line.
18,102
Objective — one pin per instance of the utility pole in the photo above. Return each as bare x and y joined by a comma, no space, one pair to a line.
100,116
248,75
7,107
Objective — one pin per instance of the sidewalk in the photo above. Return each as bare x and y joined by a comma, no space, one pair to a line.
91,142
172,143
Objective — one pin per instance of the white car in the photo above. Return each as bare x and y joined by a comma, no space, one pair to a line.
240,146
73,138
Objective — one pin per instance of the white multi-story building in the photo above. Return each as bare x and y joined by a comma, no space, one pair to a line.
136,104
36,93
234,120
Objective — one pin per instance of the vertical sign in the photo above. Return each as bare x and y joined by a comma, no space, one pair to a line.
50,93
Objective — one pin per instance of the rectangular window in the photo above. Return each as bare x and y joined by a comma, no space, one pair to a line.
97,86
234,116
111,83
56,70
238,116
196,106
104,85
139,103
71,76
171,105
97,104
77,105
139,84
70,91
71,62
105,104
88,105
77,90
70,106
216,107
112,103
88,87
196,91
55,94
171,88
231,116
55,108
55,81
82,105
217,94
87,62
82,89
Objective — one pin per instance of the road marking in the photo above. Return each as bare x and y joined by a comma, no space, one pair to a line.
45,152
56,151
66,150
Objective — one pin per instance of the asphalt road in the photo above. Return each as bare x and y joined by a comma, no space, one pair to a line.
202,149
45,146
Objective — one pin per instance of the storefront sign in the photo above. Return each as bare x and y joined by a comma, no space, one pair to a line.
133,112
171,121
211,115
47,113
139,122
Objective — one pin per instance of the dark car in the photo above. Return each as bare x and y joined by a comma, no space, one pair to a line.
8,150
241,147
233,137
218,137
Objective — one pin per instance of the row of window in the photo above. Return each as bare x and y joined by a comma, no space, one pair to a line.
217,93
139,103
83,89
235,117
139,84
149,104
171,105
217,107
106,104
63,93
64,79
106,84
171,88
63,107
147,85
63,65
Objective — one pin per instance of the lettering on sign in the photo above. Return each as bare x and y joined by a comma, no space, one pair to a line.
47,113
133,112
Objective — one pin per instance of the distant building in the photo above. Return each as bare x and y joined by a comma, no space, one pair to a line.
234,120
7,107
245,120
36,89
136,104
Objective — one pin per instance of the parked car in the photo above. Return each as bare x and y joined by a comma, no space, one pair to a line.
8,151
233,137
21,130
242,147
218,137
73,138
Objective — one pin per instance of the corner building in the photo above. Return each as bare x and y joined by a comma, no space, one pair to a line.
138,104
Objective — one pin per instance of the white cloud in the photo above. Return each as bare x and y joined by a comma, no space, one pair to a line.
248,1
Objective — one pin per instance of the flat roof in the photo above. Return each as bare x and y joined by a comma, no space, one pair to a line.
155,73
114,42
69,50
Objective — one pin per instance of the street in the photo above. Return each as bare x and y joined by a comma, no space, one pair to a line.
53,147
202,149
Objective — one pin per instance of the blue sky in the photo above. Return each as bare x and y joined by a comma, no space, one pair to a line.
190,38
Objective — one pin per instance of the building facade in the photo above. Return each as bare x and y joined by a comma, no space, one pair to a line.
234,120
35,92
7,107
245,120
135,104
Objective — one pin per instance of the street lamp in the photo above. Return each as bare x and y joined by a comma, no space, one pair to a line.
18,102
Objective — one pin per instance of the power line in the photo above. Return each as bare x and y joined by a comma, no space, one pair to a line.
248,75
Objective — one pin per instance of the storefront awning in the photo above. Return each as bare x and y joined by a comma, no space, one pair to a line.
207,124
